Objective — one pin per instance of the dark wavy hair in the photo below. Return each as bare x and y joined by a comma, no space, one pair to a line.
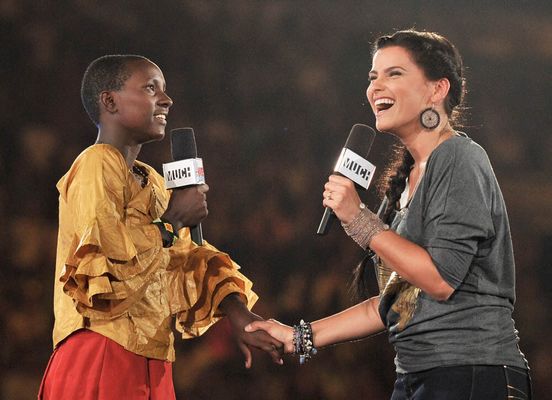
438,58
108,72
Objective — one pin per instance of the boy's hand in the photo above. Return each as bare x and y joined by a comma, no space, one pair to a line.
277,330
239,317
187,207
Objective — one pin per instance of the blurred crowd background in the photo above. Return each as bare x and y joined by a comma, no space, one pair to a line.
271,89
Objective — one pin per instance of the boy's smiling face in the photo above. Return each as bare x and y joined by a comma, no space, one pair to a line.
141,107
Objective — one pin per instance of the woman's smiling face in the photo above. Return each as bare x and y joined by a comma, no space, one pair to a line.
399,90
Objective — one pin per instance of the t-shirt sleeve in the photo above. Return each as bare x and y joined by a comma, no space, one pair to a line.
456,208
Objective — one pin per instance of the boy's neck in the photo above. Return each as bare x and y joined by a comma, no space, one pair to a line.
129,151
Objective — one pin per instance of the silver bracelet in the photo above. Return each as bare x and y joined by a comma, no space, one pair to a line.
364,226
303,342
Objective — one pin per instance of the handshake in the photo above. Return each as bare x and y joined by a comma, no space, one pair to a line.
270,335
276,338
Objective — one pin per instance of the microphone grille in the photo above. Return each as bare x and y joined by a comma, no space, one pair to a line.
183,144
360,139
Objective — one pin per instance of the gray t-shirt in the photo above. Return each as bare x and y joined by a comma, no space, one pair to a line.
458,215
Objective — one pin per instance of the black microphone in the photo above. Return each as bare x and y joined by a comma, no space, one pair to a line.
186,169
353,165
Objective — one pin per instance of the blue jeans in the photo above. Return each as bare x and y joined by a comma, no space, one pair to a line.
467,382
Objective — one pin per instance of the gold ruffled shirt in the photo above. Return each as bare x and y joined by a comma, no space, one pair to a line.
113,275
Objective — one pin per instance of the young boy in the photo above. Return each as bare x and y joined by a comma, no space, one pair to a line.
125,261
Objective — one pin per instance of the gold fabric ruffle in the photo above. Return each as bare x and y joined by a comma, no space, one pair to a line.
199,278
114,276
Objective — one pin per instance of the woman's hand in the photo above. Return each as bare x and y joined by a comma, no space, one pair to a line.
341,196
282,333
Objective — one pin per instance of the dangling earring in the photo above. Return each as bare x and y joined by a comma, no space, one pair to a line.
429,118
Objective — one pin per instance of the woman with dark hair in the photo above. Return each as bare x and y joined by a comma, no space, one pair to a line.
440,243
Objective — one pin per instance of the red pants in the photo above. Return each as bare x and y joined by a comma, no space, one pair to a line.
89,366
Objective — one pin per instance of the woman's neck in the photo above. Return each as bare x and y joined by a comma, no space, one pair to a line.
422,143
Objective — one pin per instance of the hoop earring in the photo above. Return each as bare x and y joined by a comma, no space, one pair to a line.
429,118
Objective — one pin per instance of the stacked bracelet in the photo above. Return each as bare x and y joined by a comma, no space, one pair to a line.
364,227
168,233
303,342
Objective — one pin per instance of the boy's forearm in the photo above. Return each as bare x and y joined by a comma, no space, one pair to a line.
232,304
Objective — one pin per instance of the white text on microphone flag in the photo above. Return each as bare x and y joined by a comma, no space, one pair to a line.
183,173
354,167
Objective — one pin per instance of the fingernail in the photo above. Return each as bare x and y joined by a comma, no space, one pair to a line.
247,328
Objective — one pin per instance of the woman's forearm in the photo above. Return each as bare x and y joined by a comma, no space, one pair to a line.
412,262
356,322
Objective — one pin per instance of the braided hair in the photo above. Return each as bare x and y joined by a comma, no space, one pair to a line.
438,58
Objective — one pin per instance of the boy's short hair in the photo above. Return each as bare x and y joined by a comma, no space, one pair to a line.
108,72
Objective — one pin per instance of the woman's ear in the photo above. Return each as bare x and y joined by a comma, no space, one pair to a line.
107,102
440,90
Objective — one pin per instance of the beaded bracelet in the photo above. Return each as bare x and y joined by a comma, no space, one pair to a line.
168,233
364,227
303,342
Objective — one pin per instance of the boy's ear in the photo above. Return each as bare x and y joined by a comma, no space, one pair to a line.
108,101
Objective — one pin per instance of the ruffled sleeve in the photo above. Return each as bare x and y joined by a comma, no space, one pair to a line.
199,278
108,261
